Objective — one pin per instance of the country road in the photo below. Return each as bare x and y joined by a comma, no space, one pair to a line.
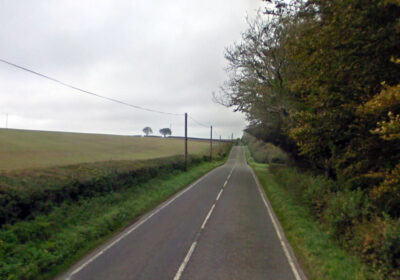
217,228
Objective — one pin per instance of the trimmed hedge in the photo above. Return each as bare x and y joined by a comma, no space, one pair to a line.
23,194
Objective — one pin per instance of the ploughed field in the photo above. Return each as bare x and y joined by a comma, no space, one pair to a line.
21,149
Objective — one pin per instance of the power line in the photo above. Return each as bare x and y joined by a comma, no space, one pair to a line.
88,92
197,122
216,131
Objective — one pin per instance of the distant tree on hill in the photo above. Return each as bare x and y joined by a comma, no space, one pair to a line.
165,131
147,130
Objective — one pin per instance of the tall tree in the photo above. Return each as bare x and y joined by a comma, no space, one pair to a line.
257,83
341,52
321,77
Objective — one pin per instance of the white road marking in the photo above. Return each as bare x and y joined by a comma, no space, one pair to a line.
207,217
178,274
138,224
226,182
275,223
185,261
219,194
229,176
182,267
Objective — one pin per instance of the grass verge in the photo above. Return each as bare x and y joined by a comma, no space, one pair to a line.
321,257
48,244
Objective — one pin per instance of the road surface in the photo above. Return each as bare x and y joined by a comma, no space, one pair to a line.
220,227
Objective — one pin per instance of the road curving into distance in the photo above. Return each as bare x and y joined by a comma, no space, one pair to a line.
220,227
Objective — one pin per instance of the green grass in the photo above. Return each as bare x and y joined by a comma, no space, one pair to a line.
50,243
21,149
320,256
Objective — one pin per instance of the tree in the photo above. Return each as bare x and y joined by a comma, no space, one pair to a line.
343,53
257,81
147,130
165,131
323,76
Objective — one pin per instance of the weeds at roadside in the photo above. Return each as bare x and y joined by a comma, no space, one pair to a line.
49,242
321,257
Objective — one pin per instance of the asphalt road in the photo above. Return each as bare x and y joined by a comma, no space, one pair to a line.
220,227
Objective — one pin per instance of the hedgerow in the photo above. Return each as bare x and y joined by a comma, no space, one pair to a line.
26,193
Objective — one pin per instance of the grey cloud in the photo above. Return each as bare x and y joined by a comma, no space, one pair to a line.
166,55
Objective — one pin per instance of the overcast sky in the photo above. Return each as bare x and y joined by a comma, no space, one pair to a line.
163,55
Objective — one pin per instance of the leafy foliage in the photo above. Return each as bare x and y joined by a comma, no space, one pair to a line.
165,131
264,152
39,247
147,130
321,79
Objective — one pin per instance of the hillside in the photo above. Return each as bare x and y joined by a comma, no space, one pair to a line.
29,149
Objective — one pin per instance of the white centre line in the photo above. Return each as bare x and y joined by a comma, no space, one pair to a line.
207,217
137,225
182,267
219,194
185,261
178,274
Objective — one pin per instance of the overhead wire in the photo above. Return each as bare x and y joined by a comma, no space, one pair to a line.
102,96
197,122
88,92
215,131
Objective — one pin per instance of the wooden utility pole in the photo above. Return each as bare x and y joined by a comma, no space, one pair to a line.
210,143
186,147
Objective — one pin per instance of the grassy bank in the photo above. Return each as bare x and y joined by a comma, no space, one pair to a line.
21,149
49,243
321,257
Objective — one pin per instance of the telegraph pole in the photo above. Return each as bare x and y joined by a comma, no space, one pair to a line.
210,143
186,148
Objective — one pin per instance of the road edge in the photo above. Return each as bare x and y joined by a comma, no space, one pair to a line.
291,257
91,256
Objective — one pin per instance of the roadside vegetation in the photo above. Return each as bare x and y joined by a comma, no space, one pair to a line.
320,79
264,152
54,216
319,255
334,233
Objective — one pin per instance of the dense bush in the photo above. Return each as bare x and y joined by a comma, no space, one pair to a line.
40,247
264,152
25,193
321,80
349,216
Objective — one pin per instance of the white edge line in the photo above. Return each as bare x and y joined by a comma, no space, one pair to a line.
219,194
185,261
207,217
278,231
138,224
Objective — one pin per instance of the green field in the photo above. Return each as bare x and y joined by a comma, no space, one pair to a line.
30,149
